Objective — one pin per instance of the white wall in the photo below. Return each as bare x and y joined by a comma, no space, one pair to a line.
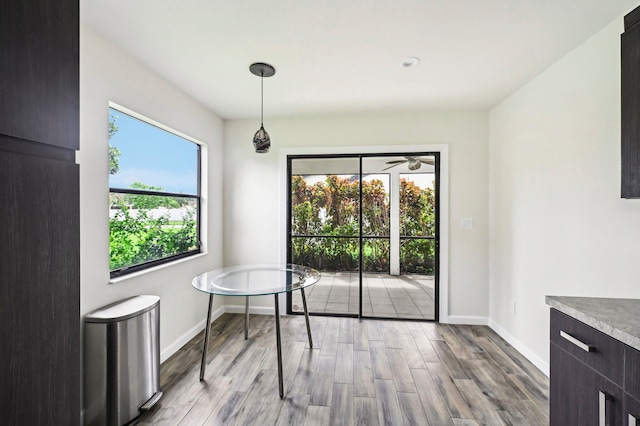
558,224
106,74
253,206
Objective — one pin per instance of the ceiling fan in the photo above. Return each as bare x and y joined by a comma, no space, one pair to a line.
413,163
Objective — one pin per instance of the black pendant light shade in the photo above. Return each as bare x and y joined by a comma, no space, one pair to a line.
261,140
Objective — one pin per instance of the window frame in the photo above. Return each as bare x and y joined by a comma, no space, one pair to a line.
126,270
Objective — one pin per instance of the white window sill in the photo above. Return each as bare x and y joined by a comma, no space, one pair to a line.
133,275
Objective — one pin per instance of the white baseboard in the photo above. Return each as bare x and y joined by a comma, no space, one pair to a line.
466,320
257,310
525,351
186,337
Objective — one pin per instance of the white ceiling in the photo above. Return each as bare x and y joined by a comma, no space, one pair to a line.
344,56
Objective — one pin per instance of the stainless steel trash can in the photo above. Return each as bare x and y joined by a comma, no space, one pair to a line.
121,360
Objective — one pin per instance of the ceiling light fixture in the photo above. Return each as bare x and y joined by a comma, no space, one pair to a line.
410,62
261,140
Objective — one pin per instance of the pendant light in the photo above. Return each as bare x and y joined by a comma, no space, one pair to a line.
261,140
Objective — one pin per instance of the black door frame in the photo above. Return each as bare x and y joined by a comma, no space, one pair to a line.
360,156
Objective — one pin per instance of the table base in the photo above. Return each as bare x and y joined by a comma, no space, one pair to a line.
246,334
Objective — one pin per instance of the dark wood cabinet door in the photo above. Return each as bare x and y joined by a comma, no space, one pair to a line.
39,291
630,105
39,71
631,411
632,372
39,213
630,95
575,393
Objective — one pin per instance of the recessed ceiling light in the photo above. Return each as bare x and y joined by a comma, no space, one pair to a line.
410,62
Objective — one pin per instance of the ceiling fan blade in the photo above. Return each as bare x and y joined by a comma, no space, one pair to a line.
396,162
393,165
427,161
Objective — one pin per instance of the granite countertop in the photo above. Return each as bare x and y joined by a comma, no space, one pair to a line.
618,318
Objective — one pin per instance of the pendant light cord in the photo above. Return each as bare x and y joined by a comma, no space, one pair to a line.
262,99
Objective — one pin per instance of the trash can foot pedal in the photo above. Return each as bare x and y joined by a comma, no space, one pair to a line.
151,402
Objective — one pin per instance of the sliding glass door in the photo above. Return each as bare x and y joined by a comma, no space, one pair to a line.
369,224
324,233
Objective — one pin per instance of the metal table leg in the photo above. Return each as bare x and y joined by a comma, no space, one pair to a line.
279,348
207,331
246,318
306,316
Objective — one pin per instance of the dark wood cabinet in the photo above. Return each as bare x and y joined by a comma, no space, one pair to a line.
632,386
40,292
593,377
632,411
39,211
630,106
586,374
576,393
39,71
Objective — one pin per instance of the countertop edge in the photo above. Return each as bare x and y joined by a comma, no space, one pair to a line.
592,321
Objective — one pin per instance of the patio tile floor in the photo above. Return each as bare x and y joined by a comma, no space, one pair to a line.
383,295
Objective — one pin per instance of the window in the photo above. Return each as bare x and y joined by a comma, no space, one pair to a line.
154,193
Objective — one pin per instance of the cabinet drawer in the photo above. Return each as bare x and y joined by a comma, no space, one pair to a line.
631,415
632,372
597,350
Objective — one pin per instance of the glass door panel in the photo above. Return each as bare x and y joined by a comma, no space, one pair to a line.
398,278
376,243
369,224
418,238
325,231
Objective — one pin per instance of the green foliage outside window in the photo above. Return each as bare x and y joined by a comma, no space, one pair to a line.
417,219
152,202
325,225
114,153
139,238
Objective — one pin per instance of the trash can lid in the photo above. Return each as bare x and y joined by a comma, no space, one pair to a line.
123,309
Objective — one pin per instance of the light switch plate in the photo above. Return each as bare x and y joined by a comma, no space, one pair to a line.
466,223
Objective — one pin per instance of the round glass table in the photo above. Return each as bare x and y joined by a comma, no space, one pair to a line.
256,280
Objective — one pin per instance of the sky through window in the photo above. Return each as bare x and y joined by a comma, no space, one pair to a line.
152,156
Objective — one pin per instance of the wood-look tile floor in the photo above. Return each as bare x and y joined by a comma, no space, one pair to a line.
369,372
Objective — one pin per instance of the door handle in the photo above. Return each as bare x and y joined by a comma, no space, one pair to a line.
602,408
585,347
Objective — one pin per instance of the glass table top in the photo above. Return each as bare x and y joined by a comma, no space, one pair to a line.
255,280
